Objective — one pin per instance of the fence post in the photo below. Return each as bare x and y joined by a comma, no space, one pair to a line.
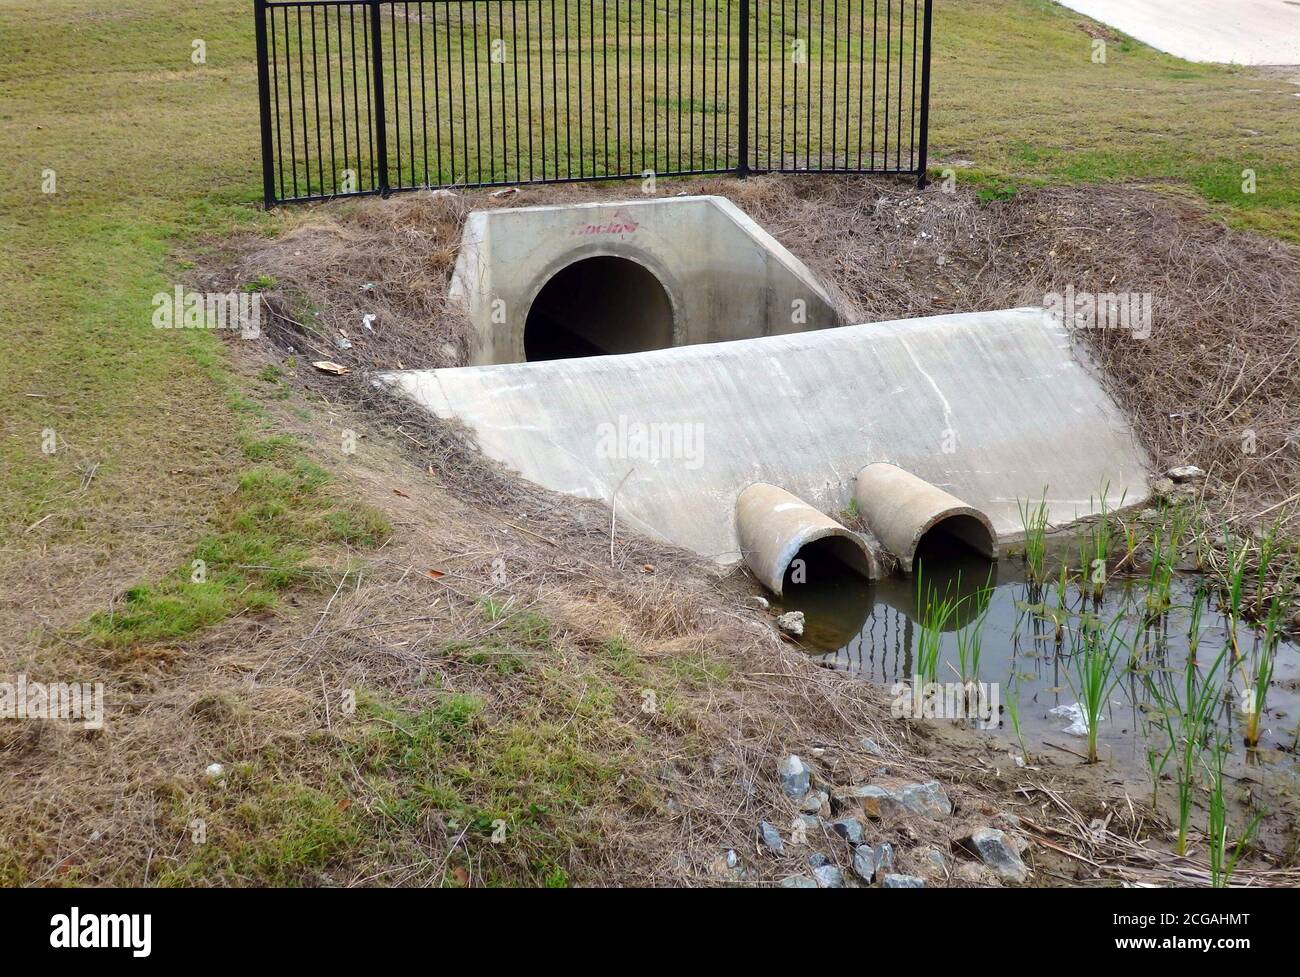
381,123
742,165
264,104
925,101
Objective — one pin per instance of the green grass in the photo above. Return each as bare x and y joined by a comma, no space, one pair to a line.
1094,673
1015,94
516,638
261,544
1033,521
1186,717
1223,853
527,780
151,150
934,612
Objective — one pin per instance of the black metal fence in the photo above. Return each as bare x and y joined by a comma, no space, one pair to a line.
378,96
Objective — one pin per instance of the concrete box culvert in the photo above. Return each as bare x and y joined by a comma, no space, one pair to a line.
775,528
902,510
607,278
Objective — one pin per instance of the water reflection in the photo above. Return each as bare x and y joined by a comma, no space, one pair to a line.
872,629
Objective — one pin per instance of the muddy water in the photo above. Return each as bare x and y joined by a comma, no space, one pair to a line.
872,629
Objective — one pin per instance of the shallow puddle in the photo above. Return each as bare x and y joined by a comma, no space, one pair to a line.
873,630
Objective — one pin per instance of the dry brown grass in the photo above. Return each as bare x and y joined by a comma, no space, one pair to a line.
596,790
617,794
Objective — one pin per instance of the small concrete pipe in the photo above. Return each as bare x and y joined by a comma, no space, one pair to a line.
776,527
901,508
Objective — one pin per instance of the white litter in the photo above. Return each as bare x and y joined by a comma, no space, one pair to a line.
1074,713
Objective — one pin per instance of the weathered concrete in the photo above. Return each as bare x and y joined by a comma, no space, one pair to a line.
901,508
1226,31
989,406
774,527
717,276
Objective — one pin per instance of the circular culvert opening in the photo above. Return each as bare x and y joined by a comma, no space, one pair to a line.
955,539
598,306
824,561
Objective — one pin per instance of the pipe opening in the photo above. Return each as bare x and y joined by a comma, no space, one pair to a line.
954,539
598,306
826,559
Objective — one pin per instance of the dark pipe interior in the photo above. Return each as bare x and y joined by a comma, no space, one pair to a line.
953,538
598,306
823,560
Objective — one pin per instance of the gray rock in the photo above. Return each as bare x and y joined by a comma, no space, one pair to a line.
850,829
884,857
798,882
732,858
796,776
817,859
873,801
771,838
814,802
829,877
937,861
811,821
791,622
996,851
902,882
927,799
877,801
864,863
871,746
1184,473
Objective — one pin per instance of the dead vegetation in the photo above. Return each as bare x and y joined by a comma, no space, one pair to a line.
490,664
615,724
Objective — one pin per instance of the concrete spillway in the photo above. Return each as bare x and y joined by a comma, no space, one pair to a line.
990,407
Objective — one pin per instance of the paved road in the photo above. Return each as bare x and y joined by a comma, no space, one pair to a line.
1228,31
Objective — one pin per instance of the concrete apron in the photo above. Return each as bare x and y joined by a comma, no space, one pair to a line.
990,407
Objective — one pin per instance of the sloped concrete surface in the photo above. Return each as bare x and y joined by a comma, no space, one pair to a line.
988,406
725,276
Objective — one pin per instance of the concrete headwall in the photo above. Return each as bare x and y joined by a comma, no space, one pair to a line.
725,277
989,406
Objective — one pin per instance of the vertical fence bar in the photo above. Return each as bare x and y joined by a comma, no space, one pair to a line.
264,104
688,91
742,164
925,100
381,123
